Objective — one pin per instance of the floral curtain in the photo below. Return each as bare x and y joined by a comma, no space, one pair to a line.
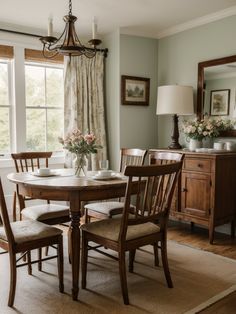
84,99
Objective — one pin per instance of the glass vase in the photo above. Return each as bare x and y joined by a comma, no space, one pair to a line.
194,144
80,165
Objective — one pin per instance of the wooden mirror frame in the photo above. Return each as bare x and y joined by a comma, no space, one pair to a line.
200,86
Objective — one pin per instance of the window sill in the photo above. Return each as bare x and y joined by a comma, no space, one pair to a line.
9,163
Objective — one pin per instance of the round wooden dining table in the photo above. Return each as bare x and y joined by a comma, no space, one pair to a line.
64,186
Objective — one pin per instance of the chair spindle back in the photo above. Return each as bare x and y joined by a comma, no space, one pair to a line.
131,157
163,158
30,161
156,185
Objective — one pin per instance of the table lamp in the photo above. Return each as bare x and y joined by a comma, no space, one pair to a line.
175,100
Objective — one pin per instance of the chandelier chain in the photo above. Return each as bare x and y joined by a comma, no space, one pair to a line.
70,7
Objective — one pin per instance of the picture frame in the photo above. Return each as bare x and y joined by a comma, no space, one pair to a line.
135,90
219,102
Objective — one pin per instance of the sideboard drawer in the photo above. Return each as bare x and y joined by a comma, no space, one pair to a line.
193,164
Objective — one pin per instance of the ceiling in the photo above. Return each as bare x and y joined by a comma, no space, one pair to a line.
150,18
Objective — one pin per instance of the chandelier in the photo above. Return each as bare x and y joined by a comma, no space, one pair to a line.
68,43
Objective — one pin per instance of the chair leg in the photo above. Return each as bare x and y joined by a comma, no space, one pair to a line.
14,206
165,263
40,259
123,278
29,262
232,229
192,226
24,257
69,244
84,261
60,263
131,260
86,216
46,250
156,255
12,279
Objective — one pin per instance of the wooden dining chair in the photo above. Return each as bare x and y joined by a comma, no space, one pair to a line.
147,225
163,158
48,213
22,237
103,210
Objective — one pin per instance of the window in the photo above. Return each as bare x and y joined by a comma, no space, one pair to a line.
31,101
5,108
44,106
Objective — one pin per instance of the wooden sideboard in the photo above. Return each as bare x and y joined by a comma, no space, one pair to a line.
206,192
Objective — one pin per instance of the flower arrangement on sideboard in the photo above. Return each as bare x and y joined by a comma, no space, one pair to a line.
206,128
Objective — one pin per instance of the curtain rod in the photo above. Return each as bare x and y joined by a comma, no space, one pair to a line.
105,51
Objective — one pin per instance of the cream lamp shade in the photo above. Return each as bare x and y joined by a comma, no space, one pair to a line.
175,100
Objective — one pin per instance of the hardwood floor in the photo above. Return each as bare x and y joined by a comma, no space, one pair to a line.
198,238
225,306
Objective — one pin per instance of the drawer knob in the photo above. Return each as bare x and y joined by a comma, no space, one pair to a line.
199,165
184,190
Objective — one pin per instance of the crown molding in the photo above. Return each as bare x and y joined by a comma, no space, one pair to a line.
197,22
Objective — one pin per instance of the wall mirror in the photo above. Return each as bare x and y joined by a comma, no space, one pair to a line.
216,94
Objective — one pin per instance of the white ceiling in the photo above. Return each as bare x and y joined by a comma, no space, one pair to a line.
150,18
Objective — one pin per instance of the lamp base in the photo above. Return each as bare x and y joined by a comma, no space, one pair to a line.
175,134
174,146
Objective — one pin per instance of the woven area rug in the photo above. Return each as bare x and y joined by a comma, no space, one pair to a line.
197,276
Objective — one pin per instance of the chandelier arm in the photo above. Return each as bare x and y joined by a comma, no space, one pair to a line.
49,56
61,35
66,38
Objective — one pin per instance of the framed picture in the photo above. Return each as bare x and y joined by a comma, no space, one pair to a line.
219,103
135,90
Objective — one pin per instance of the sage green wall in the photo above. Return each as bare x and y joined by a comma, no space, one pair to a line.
129,126
112,42
179,55
138,124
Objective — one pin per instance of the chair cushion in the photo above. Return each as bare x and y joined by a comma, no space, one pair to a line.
28,230
107,208
110,228
45,211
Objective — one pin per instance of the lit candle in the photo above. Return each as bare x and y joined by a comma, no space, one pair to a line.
94,29
50,26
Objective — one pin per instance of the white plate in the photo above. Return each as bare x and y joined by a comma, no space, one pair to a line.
98,177
51,174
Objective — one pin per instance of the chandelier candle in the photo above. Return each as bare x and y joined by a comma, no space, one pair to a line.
94,29
50,26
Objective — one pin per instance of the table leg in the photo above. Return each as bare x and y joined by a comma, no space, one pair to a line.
74,234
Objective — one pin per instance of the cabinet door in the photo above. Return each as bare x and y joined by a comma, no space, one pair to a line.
196,194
